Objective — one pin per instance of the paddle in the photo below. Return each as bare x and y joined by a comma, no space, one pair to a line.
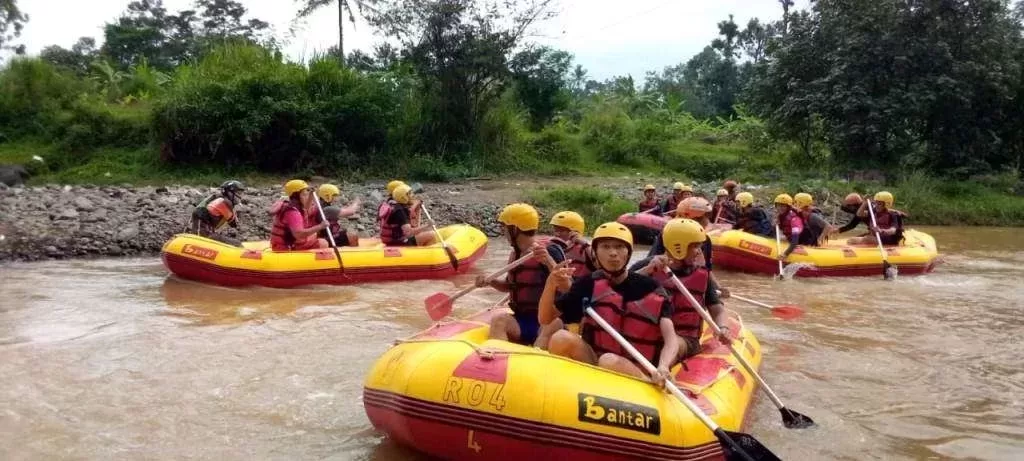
888,271
790,418
439,305
778,246
451,255
784,311
736,446
330,237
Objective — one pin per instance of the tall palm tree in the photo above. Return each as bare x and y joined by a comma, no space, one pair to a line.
309,6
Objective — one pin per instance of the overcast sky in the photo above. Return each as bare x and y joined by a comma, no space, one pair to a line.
607,37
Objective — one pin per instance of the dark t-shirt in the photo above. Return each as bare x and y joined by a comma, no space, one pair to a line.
399,216
635,287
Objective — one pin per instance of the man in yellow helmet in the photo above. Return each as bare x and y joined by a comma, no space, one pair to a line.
683,239
724,208
525,282
633,303
291,229
752,218
568,226
650,201
396,226
889,222
680,192
815,225
342,236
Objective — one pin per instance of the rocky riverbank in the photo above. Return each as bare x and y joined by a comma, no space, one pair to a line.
81,221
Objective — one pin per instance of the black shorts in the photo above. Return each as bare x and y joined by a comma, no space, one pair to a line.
409,242
692,347
341,238
891,239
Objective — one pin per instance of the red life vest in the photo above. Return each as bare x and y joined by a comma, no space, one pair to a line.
390,234
785,222
686,319
281,237
579,255
637,321
647,205
888,219
527,281
671,204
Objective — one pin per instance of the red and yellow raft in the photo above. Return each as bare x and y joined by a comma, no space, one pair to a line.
744,252
196,258
645,227
454,394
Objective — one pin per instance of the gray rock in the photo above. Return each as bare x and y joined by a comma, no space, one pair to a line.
68,213
66,189
169,199
128,233
83,204
114,250
13,175
161,190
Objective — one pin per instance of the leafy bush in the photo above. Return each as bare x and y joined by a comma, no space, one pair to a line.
609,133
32,94
596,205
554,144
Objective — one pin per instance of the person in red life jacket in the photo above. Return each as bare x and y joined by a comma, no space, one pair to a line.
523,283
569,227
752,218
291,229
388,201
723,209
342,236
397,228
789,222
889,221
680,192
699,210
634,304
217,210
683,239
852,204
814,224
650,202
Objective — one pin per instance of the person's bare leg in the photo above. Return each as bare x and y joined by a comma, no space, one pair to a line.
425,238
353,238
620,364
546,331
571,345
505,327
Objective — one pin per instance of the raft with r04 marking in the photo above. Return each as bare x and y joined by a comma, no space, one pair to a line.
453,394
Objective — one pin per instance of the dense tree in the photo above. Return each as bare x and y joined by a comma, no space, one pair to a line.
78,59
540,75
12,21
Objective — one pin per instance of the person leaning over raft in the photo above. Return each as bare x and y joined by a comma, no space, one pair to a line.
397,227
634,304
683,239
342,236
523,283
650,202
291,228
211,214
815,225
752,218
851,204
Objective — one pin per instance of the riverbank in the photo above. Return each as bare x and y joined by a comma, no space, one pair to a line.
66,221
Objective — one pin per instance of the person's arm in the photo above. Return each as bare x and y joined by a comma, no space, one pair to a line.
569,306
351,209
863,211
671,349
854,221
296,224
796,227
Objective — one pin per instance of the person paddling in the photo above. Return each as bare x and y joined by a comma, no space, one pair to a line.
342,236
753,219
211,214
680,192
525,282
789,222
397,228
683,239
634,304
291,229
889,222
569,227
814,224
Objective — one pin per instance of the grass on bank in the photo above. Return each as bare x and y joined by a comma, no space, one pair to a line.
595,205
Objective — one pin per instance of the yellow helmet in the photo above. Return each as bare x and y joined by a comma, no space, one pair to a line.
520,215
649,187
784,199
294,186
721,193
569,219
392,185
613,230
679,234
745,199
886,198
693,207
402,194
803,200
327,192
682,187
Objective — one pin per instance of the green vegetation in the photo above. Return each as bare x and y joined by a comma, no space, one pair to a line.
595,205
457,90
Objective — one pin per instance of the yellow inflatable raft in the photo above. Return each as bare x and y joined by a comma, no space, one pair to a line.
196,258
741,251
453,394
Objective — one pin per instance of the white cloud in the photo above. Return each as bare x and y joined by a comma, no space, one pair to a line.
608,37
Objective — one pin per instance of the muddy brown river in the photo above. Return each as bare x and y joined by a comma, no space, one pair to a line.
113,359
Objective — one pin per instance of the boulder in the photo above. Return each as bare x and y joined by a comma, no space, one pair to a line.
13,175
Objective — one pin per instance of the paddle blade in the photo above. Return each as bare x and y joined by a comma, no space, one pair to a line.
743,447
439,306
787,312
451,258
794,420
889,271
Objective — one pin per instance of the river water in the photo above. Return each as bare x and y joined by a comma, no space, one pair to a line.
113,359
